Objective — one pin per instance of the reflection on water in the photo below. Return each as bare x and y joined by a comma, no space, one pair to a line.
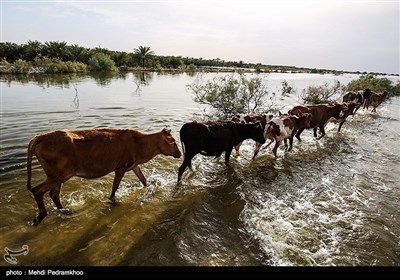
328,202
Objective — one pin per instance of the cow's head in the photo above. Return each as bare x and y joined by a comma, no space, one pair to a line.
272,128
351,108
168,145
236,118
367,93
305,119
257,132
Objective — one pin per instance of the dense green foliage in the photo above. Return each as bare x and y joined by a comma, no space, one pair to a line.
230,94
375,84
101,62
140,57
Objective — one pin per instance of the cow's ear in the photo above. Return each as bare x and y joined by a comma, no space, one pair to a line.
169,140
166,131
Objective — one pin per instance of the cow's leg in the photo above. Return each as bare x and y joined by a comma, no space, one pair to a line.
55,196
275,149
237,147
187,162
260,146
257,149
286,144
290,143
117,179
322,130
38,193
299,133
357,107
315,132
228,154
140,175
340,125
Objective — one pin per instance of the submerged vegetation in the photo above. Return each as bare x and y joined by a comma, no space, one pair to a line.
375,84
232,94
321,94
236,94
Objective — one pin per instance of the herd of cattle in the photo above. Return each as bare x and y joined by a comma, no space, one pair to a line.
97,152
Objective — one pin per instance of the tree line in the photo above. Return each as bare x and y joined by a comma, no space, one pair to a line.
38,53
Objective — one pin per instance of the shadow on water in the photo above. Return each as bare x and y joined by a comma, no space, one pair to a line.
189,231
146,228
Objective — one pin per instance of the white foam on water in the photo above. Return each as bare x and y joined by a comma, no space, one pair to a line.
301,230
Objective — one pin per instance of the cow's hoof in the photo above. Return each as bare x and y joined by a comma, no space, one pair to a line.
112,201
38,219
65,211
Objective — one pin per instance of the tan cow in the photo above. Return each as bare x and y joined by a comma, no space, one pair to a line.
92,153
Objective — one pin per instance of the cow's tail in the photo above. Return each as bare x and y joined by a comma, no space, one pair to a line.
31,149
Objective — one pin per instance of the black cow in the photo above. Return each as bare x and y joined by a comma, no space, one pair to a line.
213,138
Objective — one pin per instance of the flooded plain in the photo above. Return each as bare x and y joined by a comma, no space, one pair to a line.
329,202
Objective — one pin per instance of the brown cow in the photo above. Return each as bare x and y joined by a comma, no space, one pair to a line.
375,100
92,154
282,128
321,115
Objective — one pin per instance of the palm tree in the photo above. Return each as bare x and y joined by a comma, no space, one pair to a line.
143,53
11,51
56,49
78,53
32,49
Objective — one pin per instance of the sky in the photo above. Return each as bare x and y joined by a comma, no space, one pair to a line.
332,34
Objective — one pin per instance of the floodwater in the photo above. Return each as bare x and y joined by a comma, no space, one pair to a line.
329,202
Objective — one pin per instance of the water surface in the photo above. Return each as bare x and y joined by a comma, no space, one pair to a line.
328,202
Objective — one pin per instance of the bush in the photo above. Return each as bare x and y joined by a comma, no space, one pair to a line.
101,62
230,94
21,67
56,66
375,84
321,94
191,67
287,89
